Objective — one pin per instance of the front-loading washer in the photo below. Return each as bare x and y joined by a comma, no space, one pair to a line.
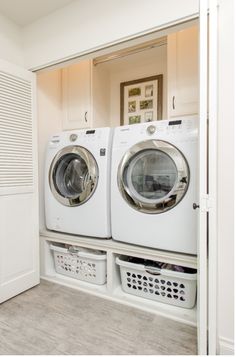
154,184
77,182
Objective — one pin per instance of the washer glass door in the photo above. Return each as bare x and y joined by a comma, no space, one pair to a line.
153,176
73,176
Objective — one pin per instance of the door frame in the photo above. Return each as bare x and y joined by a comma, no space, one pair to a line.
207,256
212,175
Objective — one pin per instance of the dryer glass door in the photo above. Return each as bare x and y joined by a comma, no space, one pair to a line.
153,176
73,176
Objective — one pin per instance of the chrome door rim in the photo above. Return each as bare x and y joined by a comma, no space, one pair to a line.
174,196
93,175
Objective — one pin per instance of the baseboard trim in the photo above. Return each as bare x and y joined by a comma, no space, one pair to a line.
226,346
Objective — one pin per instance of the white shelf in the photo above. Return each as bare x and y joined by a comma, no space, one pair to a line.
113,290
99,290
123,248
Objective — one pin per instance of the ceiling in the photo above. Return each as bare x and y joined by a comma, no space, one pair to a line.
24,12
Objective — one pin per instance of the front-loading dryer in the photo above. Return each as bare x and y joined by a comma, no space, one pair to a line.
154,184
77,182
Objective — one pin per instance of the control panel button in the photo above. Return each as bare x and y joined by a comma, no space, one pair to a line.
73,137
151,129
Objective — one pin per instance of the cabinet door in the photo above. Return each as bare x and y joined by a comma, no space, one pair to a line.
19,232
182,57
76,89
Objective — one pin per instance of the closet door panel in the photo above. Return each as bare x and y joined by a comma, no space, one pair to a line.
18,245
18,182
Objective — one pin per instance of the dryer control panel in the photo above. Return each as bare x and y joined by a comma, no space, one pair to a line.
179,129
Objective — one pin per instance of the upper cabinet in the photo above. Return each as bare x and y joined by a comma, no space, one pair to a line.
182,64
77,96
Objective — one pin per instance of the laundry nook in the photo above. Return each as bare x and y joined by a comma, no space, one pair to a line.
117,177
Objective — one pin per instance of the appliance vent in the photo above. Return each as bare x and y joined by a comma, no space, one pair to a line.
16,144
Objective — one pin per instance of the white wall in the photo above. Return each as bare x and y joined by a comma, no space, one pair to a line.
49,103
84,25
101,96
226,179
141,65
10,42
108,76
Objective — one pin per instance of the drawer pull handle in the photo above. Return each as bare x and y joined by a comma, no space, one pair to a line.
173,102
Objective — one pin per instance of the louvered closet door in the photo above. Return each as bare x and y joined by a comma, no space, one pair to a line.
18,182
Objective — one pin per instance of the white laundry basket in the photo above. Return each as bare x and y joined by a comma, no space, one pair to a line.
80,263
152,282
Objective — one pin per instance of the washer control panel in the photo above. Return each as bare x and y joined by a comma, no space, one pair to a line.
88,138
90,135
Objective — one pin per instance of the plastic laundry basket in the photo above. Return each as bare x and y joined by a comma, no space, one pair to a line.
80,263
146,279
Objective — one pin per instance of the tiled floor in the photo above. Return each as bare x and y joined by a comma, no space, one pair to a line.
52,319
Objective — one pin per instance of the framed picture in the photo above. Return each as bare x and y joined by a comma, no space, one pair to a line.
141,100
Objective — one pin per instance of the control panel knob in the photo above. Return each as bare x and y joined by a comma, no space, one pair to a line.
73,137
151,129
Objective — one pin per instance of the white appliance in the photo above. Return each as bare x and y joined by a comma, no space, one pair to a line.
77,182
154,184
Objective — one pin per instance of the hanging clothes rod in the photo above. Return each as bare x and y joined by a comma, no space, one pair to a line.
130,51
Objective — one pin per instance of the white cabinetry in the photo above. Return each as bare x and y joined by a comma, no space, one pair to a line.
77,96
182,64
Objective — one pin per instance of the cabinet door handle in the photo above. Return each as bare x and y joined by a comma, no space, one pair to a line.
173,102
85,117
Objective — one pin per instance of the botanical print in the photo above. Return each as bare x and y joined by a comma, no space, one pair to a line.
132,106
148,116
135,119
134,91
146,104
149,91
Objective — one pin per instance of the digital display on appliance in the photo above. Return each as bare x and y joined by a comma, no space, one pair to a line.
175,122
90,131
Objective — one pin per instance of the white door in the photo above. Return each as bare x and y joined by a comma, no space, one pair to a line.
19,251
207,178
202,233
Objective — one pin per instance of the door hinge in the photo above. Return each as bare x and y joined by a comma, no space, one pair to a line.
205,203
